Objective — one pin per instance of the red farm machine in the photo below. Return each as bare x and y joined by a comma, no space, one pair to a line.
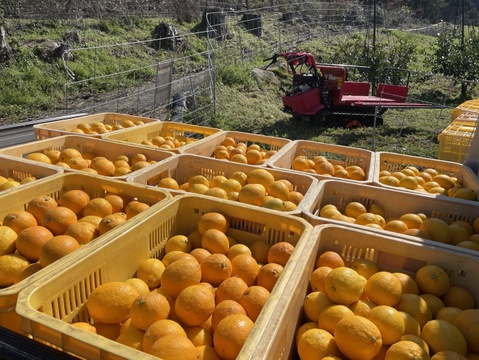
323,92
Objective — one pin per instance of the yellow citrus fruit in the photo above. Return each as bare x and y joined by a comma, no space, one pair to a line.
148,308
314,303
159,329
344,285
467,322
194,305
150,271
416,339
396,226
441,335
389,322
459,297
413,221
11,265
432,279
383,288
411,326
330,316
357,337
179,275
437,229
7,240
329,258
434,302
362,307
316,344
448,313
408,284
449,355
416,306
172,347
364,267
318,278
405,349
213,220
354,209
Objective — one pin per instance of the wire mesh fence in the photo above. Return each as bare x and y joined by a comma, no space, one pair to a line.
180,85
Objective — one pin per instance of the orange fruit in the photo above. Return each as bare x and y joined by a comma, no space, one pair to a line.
330,316
357,337
231,185
230,289
459,297
432,279
194,305
19,220
437,229
300,163
109,222
396,226
56,248
383,288
253,300
92,219
30,241
239,158
215,241
245,267
268,275
11,265
224,309
354,209
116,201
28,271
314,303
173,347
215,269
58,219
212,220
175,255
68,153
134,208
389,322
200,254
169,183
364,267
406,349
104,167
441,335
195,239
318,278
110,331
159,329
330,259
206,352
82,231
98,207
53,155
416,306
253,194
148,308
413,221
199,336
467,323
179,275
260,176
230,335
278,189
317,344
39,204
111,302
253,156
151,271
280,252
344,285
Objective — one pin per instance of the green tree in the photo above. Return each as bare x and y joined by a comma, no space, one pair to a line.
456,56
383,61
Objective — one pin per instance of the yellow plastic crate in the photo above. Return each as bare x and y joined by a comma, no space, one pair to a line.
65,127
190,135
455,140
50,304
265,142
389,253
99,147
94,186
11,167
396,162
336,154
394,203
183,166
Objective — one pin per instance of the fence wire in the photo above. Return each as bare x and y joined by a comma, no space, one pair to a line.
181,84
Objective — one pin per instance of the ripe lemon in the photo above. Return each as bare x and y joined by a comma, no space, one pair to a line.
344,285
441,335
354,209
432,279
437,229
406,349
316,344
